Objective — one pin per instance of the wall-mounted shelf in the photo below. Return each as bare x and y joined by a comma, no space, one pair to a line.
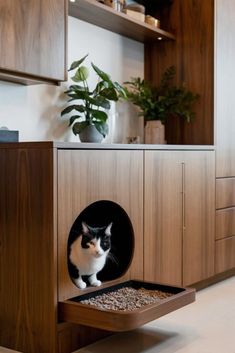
103,16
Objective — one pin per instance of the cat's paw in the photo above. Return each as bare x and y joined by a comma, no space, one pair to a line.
96,283
80,283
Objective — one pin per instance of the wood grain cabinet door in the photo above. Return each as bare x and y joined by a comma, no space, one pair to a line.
179,207
199,216
33,35
163,217
88,176
224,83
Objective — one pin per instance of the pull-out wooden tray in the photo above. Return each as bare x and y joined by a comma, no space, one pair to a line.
74,311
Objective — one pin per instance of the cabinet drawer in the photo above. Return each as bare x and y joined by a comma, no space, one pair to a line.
74,311
225,223
225,192
224,254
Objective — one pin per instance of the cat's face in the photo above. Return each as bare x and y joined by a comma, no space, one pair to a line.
96,240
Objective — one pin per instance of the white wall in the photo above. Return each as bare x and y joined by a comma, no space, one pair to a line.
35,110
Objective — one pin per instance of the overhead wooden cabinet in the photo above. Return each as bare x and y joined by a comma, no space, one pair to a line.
179,216
33,40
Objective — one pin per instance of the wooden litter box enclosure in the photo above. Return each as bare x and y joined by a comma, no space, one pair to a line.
47,189
74,311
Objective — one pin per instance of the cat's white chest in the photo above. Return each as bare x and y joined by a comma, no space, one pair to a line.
86,263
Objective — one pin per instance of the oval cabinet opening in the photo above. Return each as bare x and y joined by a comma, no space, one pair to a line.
111,218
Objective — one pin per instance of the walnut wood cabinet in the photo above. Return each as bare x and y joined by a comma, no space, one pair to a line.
192,53
33,40
224,134
46,186
43,188
179,216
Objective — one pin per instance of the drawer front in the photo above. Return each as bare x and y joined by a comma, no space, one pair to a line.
224,254
225,223
225,192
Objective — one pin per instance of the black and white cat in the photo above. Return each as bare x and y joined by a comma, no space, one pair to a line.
88,253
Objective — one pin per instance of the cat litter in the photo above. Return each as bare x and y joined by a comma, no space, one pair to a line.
126,298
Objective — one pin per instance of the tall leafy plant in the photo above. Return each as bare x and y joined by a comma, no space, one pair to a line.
91,105
159,103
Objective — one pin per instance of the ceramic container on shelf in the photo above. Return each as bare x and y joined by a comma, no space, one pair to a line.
125,126
90,134
115,4
152,21
154,132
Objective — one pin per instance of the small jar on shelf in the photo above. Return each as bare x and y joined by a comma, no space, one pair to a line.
115,4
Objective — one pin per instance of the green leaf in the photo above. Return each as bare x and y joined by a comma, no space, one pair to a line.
100,85
77,63
99,115
79,108
101,74
73,118
121,90
109,93
75,88
81,74
84,95
78,127
102,128
100,101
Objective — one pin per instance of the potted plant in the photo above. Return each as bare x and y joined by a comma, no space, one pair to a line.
90,117
157,104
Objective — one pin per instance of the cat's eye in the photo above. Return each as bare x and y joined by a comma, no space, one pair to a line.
92,243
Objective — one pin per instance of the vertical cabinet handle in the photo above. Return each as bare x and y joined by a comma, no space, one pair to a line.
183,195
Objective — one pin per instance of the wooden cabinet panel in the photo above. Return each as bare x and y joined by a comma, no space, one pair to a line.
224,254
225,223
72,337
198,235
163,217
86,176
224,83
192,54
225,192
28,271
45,186
33,39
179,207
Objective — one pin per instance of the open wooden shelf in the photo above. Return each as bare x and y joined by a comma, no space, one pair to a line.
103,16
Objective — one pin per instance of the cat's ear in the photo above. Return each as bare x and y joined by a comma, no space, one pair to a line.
85,228
108,229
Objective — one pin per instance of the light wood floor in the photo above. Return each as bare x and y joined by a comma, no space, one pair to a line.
206,326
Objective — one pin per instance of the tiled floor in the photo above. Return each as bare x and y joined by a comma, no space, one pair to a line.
206,326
